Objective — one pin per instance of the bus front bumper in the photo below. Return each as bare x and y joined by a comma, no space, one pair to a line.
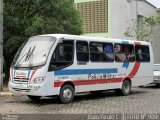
30,89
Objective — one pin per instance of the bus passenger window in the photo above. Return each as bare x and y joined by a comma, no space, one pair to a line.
62,56
96,52
124,52
101,52
82,51
142,53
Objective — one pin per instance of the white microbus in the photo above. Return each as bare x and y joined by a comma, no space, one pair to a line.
63,65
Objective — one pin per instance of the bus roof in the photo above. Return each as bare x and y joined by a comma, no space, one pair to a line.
96,39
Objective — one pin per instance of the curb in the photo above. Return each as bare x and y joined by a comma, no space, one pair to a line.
8,94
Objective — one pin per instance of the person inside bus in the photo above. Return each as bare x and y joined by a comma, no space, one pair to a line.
139,55
108,49
119,55
129,53
117,48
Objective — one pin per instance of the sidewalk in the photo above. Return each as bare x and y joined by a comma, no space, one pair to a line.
6,92
3,93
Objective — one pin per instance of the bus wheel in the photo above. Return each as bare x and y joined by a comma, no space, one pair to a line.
34,98
126,88
66,94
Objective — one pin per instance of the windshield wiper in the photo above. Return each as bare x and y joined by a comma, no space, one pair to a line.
23,56
29,54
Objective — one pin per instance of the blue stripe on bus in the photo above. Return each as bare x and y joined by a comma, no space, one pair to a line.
125,42
125,64
85,71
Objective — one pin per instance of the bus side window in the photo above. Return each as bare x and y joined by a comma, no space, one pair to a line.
101,52
124,52
82,51
142,53
95,54
62,56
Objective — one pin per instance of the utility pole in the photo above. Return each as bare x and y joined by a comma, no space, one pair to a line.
1,45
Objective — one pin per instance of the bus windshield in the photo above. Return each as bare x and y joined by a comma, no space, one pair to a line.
34,52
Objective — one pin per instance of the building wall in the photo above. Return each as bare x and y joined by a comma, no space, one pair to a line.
120,13
146,9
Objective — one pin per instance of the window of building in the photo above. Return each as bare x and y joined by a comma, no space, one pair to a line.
82,51
101,52
124,52
142,53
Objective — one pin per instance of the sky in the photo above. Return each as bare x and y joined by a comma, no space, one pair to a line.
156,3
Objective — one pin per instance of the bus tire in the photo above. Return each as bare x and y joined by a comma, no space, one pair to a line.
66,94
126,88
34,98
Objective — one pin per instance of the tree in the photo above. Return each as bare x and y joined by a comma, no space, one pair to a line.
144,28
25,18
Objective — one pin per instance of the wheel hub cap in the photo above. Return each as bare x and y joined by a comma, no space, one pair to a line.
67,94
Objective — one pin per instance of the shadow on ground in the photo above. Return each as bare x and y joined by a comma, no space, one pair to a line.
151,86
81,97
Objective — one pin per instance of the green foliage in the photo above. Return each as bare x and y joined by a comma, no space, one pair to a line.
142,30
25,18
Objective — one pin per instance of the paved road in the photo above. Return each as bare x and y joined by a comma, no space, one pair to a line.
142,100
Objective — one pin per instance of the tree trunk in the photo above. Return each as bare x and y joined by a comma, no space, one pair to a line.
7,64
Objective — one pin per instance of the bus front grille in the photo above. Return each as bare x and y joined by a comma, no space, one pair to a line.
21,80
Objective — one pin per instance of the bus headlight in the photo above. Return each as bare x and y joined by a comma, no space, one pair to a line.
38,80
